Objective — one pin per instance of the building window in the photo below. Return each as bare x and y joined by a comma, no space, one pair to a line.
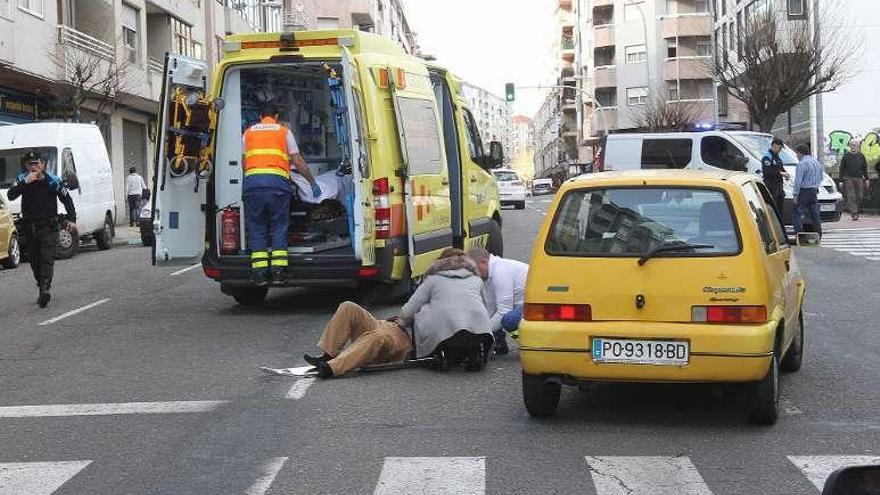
606,97
632,12
218,43
636,96
130,33
34,7
672,48
706,90
182,42
797,8
636,54
723,8
704,48
5,11
327,23
701,6
739,34
722,101
672,92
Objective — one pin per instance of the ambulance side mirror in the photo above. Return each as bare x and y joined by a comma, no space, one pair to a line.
853,480
496,154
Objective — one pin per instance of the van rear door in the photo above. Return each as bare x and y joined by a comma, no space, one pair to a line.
178,186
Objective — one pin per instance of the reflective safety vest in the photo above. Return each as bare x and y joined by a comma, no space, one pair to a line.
265,149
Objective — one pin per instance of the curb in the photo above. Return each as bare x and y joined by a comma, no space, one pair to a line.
126,242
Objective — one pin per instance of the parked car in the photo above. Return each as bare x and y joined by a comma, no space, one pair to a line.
542,186
76,153
10,247
662,276
712,150
511,188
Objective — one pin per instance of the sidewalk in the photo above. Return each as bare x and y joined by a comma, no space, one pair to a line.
845,223
127,236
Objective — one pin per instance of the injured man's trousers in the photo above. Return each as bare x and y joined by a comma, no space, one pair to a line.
372,341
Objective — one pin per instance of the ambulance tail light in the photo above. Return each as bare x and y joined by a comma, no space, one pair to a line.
212,273
382,207
558,312
729,314
230,235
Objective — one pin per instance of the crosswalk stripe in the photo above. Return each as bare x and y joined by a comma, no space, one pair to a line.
864,243
37,478
268,471
644,475
61,410
817,468
432,476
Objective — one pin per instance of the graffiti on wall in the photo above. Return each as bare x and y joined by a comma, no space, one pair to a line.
838,143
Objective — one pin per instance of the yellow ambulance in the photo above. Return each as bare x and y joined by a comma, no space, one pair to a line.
388,136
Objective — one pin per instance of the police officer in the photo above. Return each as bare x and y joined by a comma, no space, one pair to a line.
774,173
268,149
39,207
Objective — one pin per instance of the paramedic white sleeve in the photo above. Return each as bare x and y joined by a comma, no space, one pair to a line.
506,284
292,148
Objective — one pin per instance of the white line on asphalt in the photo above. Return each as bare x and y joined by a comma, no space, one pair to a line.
432,476
644,475
178,272
37,478
75,311
817,468
298,390
269,470
60,410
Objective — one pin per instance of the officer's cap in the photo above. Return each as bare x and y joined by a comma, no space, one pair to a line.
32,157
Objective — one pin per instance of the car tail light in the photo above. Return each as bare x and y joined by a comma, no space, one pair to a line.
230,234
368,271
729,314
212,273
382,207
516,183
558,312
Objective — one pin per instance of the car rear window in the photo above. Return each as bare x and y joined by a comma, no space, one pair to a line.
505,176
633,221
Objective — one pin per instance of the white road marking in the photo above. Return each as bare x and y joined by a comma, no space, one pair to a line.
432,476
75,311
62,410
37,478
817,468
298,390
865,243
178,272
269,470
643,475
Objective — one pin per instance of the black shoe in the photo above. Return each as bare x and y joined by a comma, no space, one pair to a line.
324,369
314,360
260,278
501,348
279,276
45,296
476,358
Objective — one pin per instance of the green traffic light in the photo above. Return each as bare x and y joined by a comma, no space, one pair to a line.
509,91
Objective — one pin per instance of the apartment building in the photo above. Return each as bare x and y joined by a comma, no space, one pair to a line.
550,154
385,17
42,43
522,143
492,115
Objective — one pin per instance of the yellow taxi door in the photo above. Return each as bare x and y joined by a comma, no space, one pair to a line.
792,278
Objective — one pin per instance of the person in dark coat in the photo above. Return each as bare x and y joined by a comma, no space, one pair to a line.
774,174
854,176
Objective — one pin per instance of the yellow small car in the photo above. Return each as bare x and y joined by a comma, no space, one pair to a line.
10,250
661,276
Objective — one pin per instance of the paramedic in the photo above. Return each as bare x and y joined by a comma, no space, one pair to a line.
268,149
40,220
505,289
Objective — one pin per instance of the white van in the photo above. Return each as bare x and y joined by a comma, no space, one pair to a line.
76,153
511,188
728,150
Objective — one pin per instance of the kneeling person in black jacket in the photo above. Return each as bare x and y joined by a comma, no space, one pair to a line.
39,208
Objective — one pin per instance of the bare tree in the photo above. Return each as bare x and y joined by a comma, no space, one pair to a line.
780,64
87,75
661,114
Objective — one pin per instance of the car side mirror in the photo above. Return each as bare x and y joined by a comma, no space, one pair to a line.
853,480
496,153
71,182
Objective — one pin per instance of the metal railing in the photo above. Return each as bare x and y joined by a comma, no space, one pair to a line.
155,65
69,36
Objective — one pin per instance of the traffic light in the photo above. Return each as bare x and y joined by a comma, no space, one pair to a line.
509,91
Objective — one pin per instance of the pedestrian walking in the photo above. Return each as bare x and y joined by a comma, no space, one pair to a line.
134,189
807,179
854,176
774,174
268,148
505,291
40,192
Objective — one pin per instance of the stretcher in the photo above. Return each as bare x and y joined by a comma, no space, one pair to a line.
311,371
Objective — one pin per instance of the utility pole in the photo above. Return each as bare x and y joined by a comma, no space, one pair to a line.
714,62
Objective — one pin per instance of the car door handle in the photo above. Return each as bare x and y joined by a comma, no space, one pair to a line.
473,179
444,182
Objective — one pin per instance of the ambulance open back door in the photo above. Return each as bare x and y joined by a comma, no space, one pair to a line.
183,161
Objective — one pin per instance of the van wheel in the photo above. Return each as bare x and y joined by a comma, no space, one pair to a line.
13,254
495,245
521,205
250,297
795,353
764,397
540,396
104,238
68,244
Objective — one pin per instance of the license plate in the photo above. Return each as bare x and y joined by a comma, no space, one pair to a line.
667,352
827,207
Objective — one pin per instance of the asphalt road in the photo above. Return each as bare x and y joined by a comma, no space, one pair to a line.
156,390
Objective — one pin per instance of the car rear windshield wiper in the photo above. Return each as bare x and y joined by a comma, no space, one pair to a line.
673,246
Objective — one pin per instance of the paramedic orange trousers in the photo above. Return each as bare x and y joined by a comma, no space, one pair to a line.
372,341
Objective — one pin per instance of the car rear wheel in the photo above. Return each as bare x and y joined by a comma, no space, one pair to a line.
521,205
795,353
13,254
250,297
68,244
764,400
541,397
104,238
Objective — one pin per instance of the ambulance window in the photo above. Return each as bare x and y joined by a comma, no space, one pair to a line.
666,153
721,153
475,146
68,167
421,135
760,215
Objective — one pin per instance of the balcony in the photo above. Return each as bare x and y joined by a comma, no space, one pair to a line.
686,25
606,76
69,37
687,68
605,119
603,36
700,109
603,3
362,13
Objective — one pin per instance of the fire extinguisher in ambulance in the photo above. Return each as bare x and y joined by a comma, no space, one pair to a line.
230,231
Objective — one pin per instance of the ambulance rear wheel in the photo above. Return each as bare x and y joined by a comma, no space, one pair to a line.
250,297
495,245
